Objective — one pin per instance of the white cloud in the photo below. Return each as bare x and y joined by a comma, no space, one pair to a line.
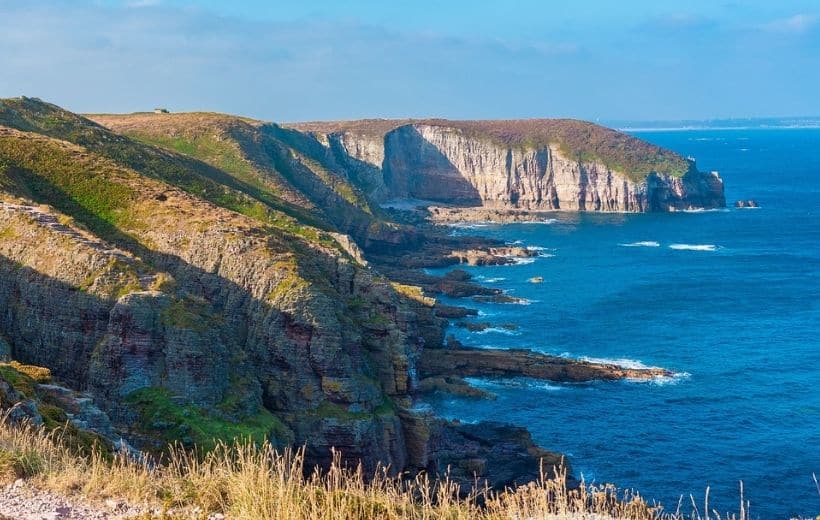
136,4
797,24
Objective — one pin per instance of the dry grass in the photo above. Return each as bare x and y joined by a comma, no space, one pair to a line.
245,481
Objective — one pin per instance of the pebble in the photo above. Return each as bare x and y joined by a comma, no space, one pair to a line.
20,501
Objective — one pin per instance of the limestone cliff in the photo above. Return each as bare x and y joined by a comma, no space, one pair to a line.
533,164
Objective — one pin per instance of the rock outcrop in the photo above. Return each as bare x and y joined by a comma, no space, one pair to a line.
476,362
533,164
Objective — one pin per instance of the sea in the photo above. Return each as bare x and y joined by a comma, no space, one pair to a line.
729,300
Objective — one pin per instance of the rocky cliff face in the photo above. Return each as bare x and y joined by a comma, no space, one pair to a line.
186,320
455,162
222,292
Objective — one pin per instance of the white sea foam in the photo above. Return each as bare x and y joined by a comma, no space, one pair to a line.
635,364
694,247
644,243
516,382
543,252
499,330
621,362
704,210
421,407
674,379
546,221
522,261
491,279
467,225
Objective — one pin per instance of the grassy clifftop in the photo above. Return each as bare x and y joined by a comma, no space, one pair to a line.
585,141
243,148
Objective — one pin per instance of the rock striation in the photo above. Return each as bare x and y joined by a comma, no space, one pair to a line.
532,165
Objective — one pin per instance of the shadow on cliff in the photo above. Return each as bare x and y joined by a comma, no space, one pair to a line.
414,168
63,351
351,218
278,365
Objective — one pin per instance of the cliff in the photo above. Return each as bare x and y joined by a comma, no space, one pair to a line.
186,320
529,164
203,277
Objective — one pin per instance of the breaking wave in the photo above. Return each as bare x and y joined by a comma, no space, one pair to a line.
516,382
499,330
644,243
694,247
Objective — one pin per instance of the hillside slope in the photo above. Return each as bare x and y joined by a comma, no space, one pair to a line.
297,182
186,320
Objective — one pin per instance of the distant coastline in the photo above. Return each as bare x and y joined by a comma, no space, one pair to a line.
767,123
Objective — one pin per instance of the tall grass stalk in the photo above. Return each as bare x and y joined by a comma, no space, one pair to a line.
255,482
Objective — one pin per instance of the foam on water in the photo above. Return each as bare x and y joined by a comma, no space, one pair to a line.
515,382
621,362
498,330
521,261
546,221
693,247
644,243
490,279
468,225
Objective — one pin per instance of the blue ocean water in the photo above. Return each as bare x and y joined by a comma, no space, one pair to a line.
727,299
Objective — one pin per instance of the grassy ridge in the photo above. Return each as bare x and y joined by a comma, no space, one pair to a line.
242,148
194,177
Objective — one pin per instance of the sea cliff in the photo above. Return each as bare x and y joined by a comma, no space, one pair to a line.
532,164
202,277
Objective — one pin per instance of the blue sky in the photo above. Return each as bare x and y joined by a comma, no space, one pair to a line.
300,60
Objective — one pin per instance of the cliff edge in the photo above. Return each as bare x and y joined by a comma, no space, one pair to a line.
536,164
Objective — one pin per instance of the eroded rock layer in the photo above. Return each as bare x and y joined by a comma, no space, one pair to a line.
533,164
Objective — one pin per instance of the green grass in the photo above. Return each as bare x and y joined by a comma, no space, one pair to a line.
328,410
164,418
231,184
91,185
18,380
219,153
186,313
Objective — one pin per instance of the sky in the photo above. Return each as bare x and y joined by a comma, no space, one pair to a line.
463,59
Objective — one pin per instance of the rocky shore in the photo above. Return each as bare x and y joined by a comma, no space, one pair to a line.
476,362
458,215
